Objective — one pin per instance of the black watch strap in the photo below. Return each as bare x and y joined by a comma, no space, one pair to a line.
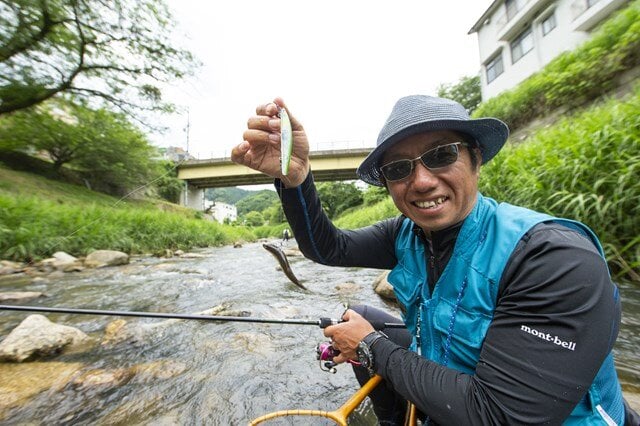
365,350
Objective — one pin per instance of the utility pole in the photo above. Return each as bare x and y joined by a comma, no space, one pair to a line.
187,130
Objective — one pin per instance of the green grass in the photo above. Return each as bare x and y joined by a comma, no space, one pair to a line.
39,216
586,167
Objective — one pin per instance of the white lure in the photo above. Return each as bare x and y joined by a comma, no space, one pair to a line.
286,141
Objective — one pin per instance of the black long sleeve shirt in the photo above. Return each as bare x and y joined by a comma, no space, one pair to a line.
555,281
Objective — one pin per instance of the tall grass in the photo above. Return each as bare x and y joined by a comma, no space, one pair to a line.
32,228
587,168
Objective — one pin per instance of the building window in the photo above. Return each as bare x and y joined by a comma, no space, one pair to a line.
513,7
494,67
548,24
521,45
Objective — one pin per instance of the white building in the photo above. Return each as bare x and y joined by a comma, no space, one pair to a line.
221,211
516,38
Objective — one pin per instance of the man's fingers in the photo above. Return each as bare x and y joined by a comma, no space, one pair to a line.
269,109
253,136
260,122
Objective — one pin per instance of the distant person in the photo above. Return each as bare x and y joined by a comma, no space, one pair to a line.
510,314
285,235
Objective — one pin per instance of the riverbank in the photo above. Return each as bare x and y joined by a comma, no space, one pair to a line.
40,216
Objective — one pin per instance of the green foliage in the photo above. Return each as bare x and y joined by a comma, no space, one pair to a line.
39,217
253,218
367,215
374,194
338,196
168,185
466,92
274,213
584,168
575,77
112,154
117,52
227,195
257,201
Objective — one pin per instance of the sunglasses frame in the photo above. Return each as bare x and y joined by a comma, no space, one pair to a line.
412,161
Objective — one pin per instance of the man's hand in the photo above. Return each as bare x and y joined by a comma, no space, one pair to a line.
261,147
346,335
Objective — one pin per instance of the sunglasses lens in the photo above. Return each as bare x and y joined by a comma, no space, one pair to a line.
441,156
397,170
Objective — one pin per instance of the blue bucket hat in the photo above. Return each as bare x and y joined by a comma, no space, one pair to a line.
418,114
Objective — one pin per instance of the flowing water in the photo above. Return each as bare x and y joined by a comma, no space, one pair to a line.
217,373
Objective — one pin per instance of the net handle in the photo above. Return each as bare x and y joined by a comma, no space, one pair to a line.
339,416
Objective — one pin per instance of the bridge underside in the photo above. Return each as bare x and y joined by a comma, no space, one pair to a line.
220,173
259,179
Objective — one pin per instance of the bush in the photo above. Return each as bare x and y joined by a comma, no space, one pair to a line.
584,168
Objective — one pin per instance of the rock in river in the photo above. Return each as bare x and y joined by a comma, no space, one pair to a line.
36,336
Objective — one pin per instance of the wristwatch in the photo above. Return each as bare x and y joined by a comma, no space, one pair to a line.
364,352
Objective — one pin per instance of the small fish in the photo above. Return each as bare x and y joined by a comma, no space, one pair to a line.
284,263
286,141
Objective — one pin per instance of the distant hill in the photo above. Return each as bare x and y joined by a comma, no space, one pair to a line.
227,195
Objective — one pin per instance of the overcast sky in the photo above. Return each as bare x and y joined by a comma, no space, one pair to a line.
339,65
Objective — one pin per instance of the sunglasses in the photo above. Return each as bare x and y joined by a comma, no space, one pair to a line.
436,158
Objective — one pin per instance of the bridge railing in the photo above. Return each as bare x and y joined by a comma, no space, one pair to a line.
318,146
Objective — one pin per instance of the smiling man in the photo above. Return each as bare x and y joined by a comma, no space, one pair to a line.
511,314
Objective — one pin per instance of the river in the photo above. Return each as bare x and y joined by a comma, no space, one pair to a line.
231,372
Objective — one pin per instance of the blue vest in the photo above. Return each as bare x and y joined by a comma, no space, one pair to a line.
452,322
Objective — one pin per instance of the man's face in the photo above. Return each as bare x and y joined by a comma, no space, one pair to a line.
434,199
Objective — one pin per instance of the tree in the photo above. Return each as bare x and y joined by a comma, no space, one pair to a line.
168,185
103,146
253,218
257,201
115,51
466,92
338,196
374,194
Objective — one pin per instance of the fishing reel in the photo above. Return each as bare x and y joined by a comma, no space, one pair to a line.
325,354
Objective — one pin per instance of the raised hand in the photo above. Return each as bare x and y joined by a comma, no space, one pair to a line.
261,147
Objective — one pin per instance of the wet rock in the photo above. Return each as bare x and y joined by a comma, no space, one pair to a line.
178,252
19,296
103,378
60,261
192,256
158,370
292,252
252,342
119,331
101,258
348,288
22,382
39,280
382,287
7,267
36,336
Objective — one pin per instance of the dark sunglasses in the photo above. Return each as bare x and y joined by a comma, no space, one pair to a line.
436,158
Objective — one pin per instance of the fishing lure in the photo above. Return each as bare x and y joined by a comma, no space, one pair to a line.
286,141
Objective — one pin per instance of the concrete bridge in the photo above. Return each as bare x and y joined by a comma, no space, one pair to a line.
333,165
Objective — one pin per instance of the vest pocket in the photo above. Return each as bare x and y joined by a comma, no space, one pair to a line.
467,330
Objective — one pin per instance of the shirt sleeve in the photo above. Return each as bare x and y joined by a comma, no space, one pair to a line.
320,241
556,288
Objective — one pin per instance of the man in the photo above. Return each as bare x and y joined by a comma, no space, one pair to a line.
511,314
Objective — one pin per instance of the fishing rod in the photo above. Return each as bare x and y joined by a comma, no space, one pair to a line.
322,322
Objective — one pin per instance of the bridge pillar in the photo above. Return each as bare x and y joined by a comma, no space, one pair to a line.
192,197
